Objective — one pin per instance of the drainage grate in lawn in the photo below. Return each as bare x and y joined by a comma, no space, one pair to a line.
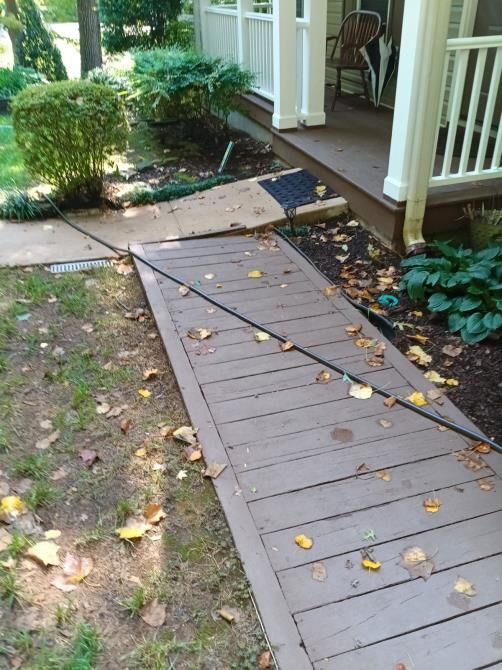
58,268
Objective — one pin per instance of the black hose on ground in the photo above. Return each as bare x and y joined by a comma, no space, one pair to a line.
461,430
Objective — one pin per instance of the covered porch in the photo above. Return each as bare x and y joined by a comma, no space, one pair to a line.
437,139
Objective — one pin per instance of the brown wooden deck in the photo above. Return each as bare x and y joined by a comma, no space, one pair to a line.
259,410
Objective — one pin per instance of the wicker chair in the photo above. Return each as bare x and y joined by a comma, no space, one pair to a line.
357,29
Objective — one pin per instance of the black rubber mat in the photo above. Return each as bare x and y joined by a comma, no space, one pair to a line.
296,189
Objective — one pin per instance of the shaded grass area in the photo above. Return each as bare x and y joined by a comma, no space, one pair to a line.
12,169
66,348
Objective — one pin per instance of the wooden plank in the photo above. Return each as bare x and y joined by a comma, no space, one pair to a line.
262,453
290,378
304,418
224,247
171,290
340,463
470,641
367,619
196,243
227,273
262,260
351,495
274,612
343,533
280,400
450,547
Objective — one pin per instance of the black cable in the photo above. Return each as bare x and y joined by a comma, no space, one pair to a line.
436,418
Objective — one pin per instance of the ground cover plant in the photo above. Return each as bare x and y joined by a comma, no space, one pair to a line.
88,404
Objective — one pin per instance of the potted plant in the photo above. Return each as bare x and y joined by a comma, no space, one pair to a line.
485,225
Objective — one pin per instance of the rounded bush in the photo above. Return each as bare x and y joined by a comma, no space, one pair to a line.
67,131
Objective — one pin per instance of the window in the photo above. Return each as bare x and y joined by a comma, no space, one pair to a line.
380,6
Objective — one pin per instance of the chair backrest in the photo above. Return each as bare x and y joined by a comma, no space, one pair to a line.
357,29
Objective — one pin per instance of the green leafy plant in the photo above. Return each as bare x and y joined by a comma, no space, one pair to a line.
35,44
14,80
143,24
17,205
67,132
175,84
145,195
463,284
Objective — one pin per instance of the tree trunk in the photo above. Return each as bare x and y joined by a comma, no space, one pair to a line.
90,36
11,7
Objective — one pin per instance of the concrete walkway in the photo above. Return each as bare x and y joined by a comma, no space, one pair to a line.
242,204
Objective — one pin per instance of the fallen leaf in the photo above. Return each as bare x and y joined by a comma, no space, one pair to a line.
125,424
304,542
385,423
168,431
89,456
44,552
416,562
417,398
365,342
209,275
370,564
452,351
436,395
60,473
390,402
419,338
192,453
144,393
154,513
77,568
103,408
342,434
141,452
149,373
323,377
10,508
153,613
214,470
134,529
46,424
217,286
434,376
124,269
183,290
260,336
384,475
353,329
319,572
482,448
362,467
228,614
255,274
486,485
417,355
139,314
432,505
360,391
452,382
182,474
52,534
320,189
286,346
265,660
464,586
330,291
185,434
199,333
88,328
47,441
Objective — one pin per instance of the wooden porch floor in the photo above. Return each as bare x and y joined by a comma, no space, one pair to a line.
291,470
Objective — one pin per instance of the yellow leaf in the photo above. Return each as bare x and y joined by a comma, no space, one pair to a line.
45,553
417,398
219,285
360,391
384,475
320,189
255,274
140,453
323,377
330,291
432,505
130,533
144,393
452,382
52,534
199,333
260,336
417,313
464,586
365,342
419,338
434,376
10,508
418,355
286,346
304,542
371,565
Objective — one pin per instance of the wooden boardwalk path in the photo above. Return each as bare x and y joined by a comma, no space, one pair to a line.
291,470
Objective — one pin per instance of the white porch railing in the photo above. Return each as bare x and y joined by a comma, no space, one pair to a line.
485,56
261,55
220,32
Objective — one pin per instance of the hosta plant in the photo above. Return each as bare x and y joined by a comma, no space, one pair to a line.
465,285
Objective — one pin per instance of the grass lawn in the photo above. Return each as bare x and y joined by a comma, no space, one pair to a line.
12,170
86,452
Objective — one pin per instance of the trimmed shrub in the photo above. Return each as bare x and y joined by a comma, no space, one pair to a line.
142,24
35,44
174,84
147,196
67,132
15,80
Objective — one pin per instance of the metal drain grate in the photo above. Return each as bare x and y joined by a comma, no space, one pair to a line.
79,266
295,189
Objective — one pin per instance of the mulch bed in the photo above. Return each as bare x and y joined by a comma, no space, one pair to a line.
350,256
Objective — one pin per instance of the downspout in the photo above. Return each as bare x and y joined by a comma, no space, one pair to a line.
429,106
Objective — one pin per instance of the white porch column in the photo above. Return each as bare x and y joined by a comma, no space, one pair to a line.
419,83
199,19
314,63
243,6
284,51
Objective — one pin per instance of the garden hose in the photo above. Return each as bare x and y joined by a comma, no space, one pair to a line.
347,375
